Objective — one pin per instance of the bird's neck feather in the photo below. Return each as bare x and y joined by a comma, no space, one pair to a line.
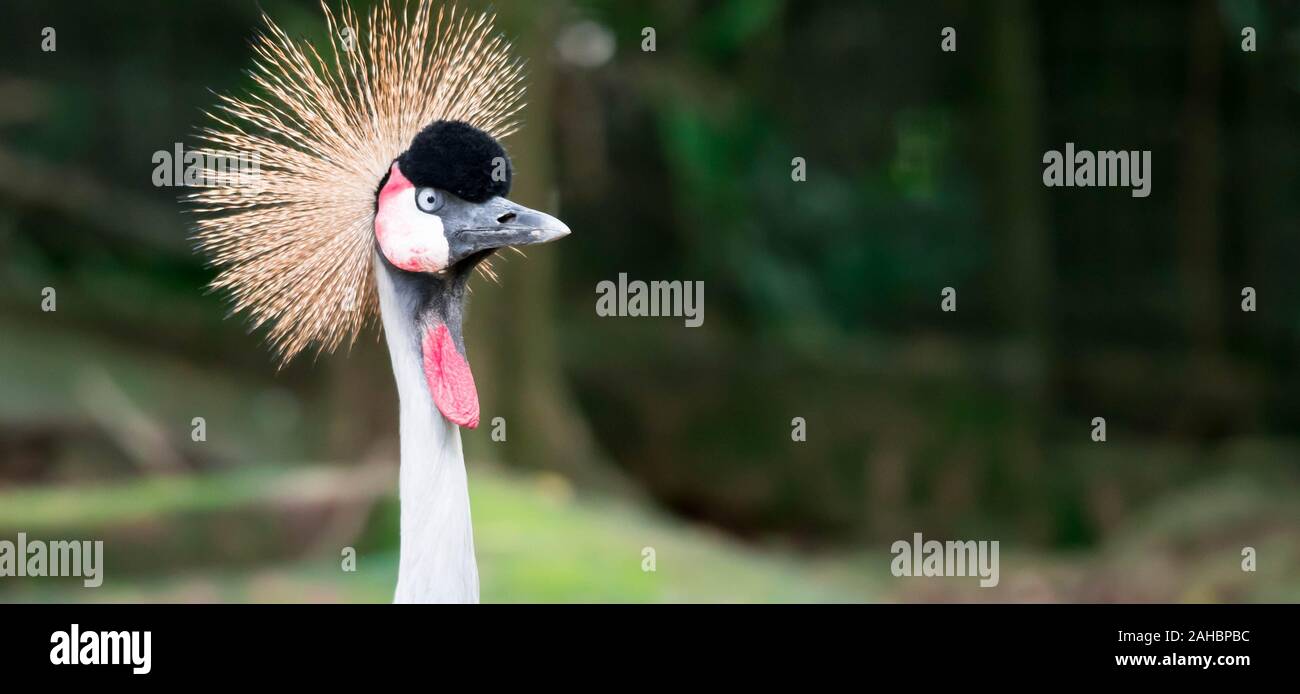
437,540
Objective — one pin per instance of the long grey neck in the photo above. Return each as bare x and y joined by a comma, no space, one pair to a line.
437,539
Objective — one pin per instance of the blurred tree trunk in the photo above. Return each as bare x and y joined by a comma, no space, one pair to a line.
1208,377
513,342
1015,195
1198,201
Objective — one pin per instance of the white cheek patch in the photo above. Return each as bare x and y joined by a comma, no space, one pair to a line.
410,239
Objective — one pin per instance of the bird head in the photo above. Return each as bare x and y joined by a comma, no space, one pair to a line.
442,207
439,211
317,250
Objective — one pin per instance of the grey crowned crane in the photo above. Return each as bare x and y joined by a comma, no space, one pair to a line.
381,188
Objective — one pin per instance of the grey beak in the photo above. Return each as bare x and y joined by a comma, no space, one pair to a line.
498,223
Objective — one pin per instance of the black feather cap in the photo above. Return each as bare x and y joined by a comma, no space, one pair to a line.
458,158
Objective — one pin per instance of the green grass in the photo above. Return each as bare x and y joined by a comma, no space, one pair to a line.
536,542
272,535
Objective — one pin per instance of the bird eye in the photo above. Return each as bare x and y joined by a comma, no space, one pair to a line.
428,200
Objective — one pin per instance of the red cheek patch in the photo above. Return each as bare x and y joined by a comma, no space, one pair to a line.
408,238
450,381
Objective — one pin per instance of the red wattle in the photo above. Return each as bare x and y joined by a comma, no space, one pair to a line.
450,380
